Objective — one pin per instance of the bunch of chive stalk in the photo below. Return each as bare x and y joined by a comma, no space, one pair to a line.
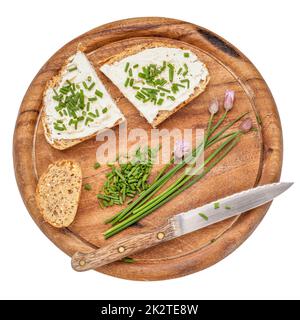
149,201
127,179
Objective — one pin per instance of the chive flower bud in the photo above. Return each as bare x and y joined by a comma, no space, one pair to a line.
228,100
182,148
246,125
214,106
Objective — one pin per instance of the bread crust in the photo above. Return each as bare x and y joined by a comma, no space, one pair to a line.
40,195
169,43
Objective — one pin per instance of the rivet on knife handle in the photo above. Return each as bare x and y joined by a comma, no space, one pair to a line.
123,248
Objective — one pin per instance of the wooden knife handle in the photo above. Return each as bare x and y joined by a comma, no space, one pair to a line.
123,248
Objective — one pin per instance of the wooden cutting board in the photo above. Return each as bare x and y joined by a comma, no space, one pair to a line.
256,160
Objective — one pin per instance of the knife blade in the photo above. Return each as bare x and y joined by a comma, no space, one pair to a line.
227,207
179,225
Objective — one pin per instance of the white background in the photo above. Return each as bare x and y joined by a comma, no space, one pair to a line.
267,265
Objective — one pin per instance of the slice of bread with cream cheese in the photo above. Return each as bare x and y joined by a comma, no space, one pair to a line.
158,78
76,105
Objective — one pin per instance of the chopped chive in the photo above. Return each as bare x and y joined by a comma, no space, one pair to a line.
186,70
128,260
89,78
105,203
88,106
227,207
150,90
91,114
126,82
204,216
174,88
163,89
97,165
160,101
216,205
91,86
160,82
87,187
171,98
186,81
140,94
104,110
56,98
61,113
179,71
97,112
135,66
142,75
126,67
146,93
64,90
81,97
186,54
92,99
85,85
99,93
131,82
56,127
162,94
171,72
130,72
72,69
163,66
135,88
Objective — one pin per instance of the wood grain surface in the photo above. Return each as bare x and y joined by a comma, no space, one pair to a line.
257,159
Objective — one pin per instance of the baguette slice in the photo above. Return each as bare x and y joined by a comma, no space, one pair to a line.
105,114
58,193
190,73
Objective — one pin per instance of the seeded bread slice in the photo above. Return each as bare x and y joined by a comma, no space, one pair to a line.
58,193
162,114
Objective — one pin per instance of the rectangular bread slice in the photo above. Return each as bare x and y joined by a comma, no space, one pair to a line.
76,105
58,192
158,78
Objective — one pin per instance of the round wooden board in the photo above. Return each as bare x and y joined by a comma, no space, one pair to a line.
256,160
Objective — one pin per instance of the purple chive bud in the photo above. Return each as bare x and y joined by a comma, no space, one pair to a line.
182,148
228,100
214,106
246,125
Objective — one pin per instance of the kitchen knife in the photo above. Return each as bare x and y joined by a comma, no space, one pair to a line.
179,225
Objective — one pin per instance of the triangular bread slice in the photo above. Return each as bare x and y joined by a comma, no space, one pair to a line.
58,193
158,78
76,105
